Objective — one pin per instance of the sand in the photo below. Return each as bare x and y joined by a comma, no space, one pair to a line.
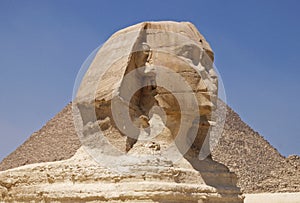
273,198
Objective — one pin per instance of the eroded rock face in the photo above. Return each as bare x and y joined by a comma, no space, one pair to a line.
143,112
81,179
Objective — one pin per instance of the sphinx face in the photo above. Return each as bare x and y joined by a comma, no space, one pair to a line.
180,73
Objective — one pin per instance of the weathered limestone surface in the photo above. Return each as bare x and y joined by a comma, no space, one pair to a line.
154,176
81,179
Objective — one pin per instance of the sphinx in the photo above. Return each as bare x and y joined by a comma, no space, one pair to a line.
146,111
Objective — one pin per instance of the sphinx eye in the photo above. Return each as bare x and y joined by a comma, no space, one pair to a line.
191,52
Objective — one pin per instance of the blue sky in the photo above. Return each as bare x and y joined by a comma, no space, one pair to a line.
256,45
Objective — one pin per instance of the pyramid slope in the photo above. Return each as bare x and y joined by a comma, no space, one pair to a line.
258,165
55,141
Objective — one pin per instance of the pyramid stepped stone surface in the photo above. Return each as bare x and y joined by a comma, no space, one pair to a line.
57,140
259,166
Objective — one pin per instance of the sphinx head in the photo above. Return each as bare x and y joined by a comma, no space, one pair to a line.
155,83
